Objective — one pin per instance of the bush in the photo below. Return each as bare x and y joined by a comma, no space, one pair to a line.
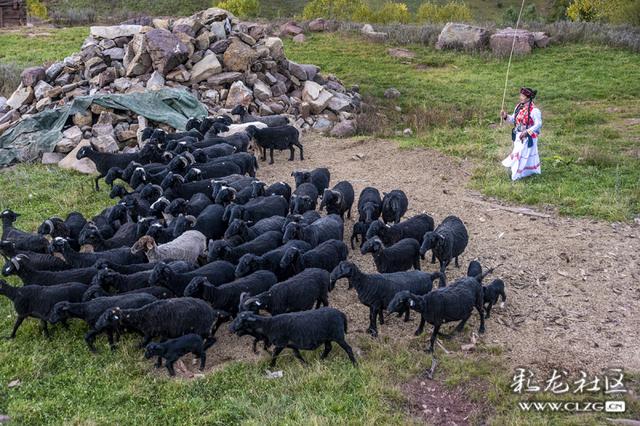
529,14
37,9
391,12
451,12
9,78
241,8
584,10
343,10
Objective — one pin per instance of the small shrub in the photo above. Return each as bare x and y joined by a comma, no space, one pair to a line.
391,12
529,14
241,8
73,17
362,13
336,9
453,11
37,9
9,78
584,10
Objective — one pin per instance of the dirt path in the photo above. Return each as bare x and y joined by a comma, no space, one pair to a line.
572,284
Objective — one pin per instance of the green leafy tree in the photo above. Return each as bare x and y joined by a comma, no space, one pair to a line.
241,8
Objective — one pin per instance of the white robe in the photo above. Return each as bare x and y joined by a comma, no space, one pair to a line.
523,160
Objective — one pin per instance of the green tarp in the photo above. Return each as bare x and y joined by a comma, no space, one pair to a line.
42,131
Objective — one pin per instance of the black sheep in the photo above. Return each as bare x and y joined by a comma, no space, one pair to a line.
23,240
226,297
491,293
38,261
121,255
325,256
221,249
377,290
298,331
19,265
90,312
327,228
270,261
37,301
414,227
306,218
257,208
279,188
403,255
298,293
210,222
359,230
338,199
269,120
247,231
394,206
218,272
319,177
95,291
447,241
303,199
369,205
452,303
173,349
280,138
164,319
125,236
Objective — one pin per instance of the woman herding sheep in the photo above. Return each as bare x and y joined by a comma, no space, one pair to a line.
527,120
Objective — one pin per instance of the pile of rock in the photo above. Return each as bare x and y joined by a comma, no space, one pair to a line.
220,60
473,38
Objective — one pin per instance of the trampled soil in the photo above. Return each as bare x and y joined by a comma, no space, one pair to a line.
573,293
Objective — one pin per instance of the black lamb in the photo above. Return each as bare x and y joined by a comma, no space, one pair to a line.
394,206
403,255
270,261
37,301
414,227
173,349
329,227
377,290
303,199
491,293
269,120
280,138
298,331
218,272
319,177
447,241
325,256
359,230
298,293
338,199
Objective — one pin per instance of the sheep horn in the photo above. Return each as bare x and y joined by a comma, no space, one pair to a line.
49,223
191,218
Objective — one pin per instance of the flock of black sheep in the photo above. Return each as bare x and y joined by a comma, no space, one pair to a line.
199,241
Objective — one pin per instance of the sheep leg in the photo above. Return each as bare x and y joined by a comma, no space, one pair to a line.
457,264
488,310
381,316
327,349
349,213
96,180
45,329
16,326
208,342
299,145
345,346
112,345
420,328
89,338
203,359
480,311
65,324
372,322
298,355
270,155
274,357
433,258
158,363
432,340
145,341
172,372
292,156
406,315
460,326
416,263
263,153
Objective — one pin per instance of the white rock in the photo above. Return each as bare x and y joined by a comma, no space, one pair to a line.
114,31
70,162
21,96
41,89
316,95
52,157
74,134
105,143
239,94
208,66
261,90
156,82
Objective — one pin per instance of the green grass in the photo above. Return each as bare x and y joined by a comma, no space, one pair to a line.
45,46
453,99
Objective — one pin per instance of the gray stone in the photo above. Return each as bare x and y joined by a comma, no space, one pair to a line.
211,96
156,82
220,46
203,40
239,94
317,97
218,31
367,28
166,50
297,71
339,102
52,157
54,70
180,75
462,36
114,31
102,130
407,132
106,77
72,163
137,60
121,84
161,23
279,89
81,119
300,38
107,44
239,56
322,125
261,90
66,145
43,103
392,93
74,134
115,53
224,78
540,39
246,38
93,67
208,66
317,25
105,143
343,129
41,89
275,46
502,42
31,76
21,96
290,28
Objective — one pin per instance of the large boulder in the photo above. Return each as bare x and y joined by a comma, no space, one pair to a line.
70,162
316,96
114,31
22,96
503,41
290,29
31,76
540,39
202,70
343,129
317,25
275,46
137,60
166,50
224,78
239,94
462,36
239,56
261,90
105,143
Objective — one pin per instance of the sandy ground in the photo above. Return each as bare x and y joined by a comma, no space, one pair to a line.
573,293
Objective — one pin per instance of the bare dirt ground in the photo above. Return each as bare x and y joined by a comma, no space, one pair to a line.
573,293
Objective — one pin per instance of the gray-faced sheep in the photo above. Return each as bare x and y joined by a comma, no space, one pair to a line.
319,177
174,349
414,227
359,230
280,138
298,331
447,241
298,293
37,301
338,199
403,255
394,206
452,303
377,290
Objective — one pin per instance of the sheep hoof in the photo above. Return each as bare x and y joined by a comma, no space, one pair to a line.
372,332
481,331
417,332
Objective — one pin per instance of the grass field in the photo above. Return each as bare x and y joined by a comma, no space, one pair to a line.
588,94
